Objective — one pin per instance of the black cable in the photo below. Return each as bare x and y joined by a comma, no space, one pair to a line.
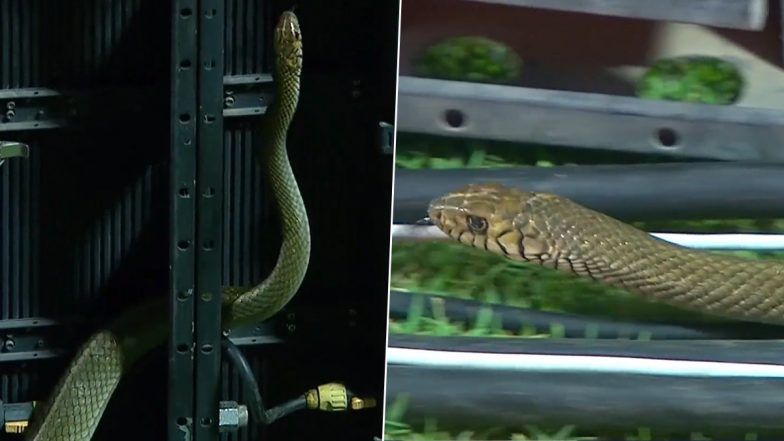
459,397
575,326
670,191
251,388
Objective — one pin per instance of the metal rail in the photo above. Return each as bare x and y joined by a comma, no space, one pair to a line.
735,14
588,120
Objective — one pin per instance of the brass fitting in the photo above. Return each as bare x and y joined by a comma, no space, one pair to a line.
15,426
362,403
334,397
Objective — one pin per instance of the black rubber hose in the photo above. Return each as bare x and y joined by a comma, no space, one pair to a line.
251,388
670,191
575,326
461,398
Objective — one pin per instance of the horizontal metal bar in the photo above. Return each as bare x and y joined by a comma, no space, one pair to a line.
25,356
46,109
247,95
735,14
508,113
32,322
627,192
580,363
727,242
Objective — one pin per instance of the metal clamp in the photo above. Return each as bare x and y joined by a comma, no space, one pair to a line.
13,149
386,133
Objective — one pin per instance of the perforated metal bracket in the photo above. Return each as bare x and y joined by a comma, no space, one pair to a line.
30,339
33,109
246,95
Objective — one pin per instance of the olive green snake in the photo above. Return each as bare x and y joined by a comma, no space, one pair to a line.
555,232
79,399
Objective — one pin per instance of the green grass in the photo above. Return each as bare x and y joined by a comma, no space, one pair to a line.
451,269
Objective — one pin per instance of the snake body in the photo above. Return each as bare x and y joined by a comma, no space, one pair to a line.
556,232
75,407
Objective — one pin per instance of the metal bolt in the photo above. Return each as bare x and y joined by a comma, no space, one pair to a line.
9,115
228,101
9,344
232,416
10,105
291,327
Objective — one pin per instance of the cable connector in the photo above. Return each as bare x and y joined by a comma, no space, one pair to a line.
335,397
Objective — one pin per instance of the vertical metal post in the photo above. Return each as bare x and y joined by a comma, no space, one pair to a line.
182,216
209,219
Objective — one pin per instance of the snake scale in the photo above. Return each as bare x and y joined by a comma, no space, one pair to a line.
75,407
558,233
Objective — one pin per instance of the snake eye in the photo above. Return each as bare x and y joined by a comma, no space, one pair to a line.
477,224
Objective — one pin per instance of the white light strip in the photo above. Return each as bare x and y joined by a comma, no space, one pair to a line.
730,242
579,364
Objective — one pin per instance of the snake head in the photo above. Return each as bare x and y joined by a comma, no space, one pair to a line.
492,217
288,43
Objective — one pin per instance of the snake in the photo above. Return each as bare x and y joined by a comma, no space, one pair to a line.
557,233
74,408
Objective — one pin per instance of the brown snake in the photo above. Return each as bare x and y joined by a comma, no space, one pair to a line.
555,232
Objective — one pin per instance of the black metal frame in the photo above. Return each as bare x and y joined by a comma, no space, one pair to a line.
183,238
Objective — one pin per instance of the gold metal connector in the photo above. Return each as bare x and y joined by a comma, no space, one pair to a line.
334,397
15,426
330,397
362,403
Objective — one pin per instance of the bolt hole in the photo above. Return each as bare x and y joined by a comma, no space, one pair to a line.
209,64
185,64
187,141
206,297
186,12
206,421
184,192
209,119
667,138
183,295
211,13
182,421
182,348
183,245
185,118
454,118
206,348
208,245
209,192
